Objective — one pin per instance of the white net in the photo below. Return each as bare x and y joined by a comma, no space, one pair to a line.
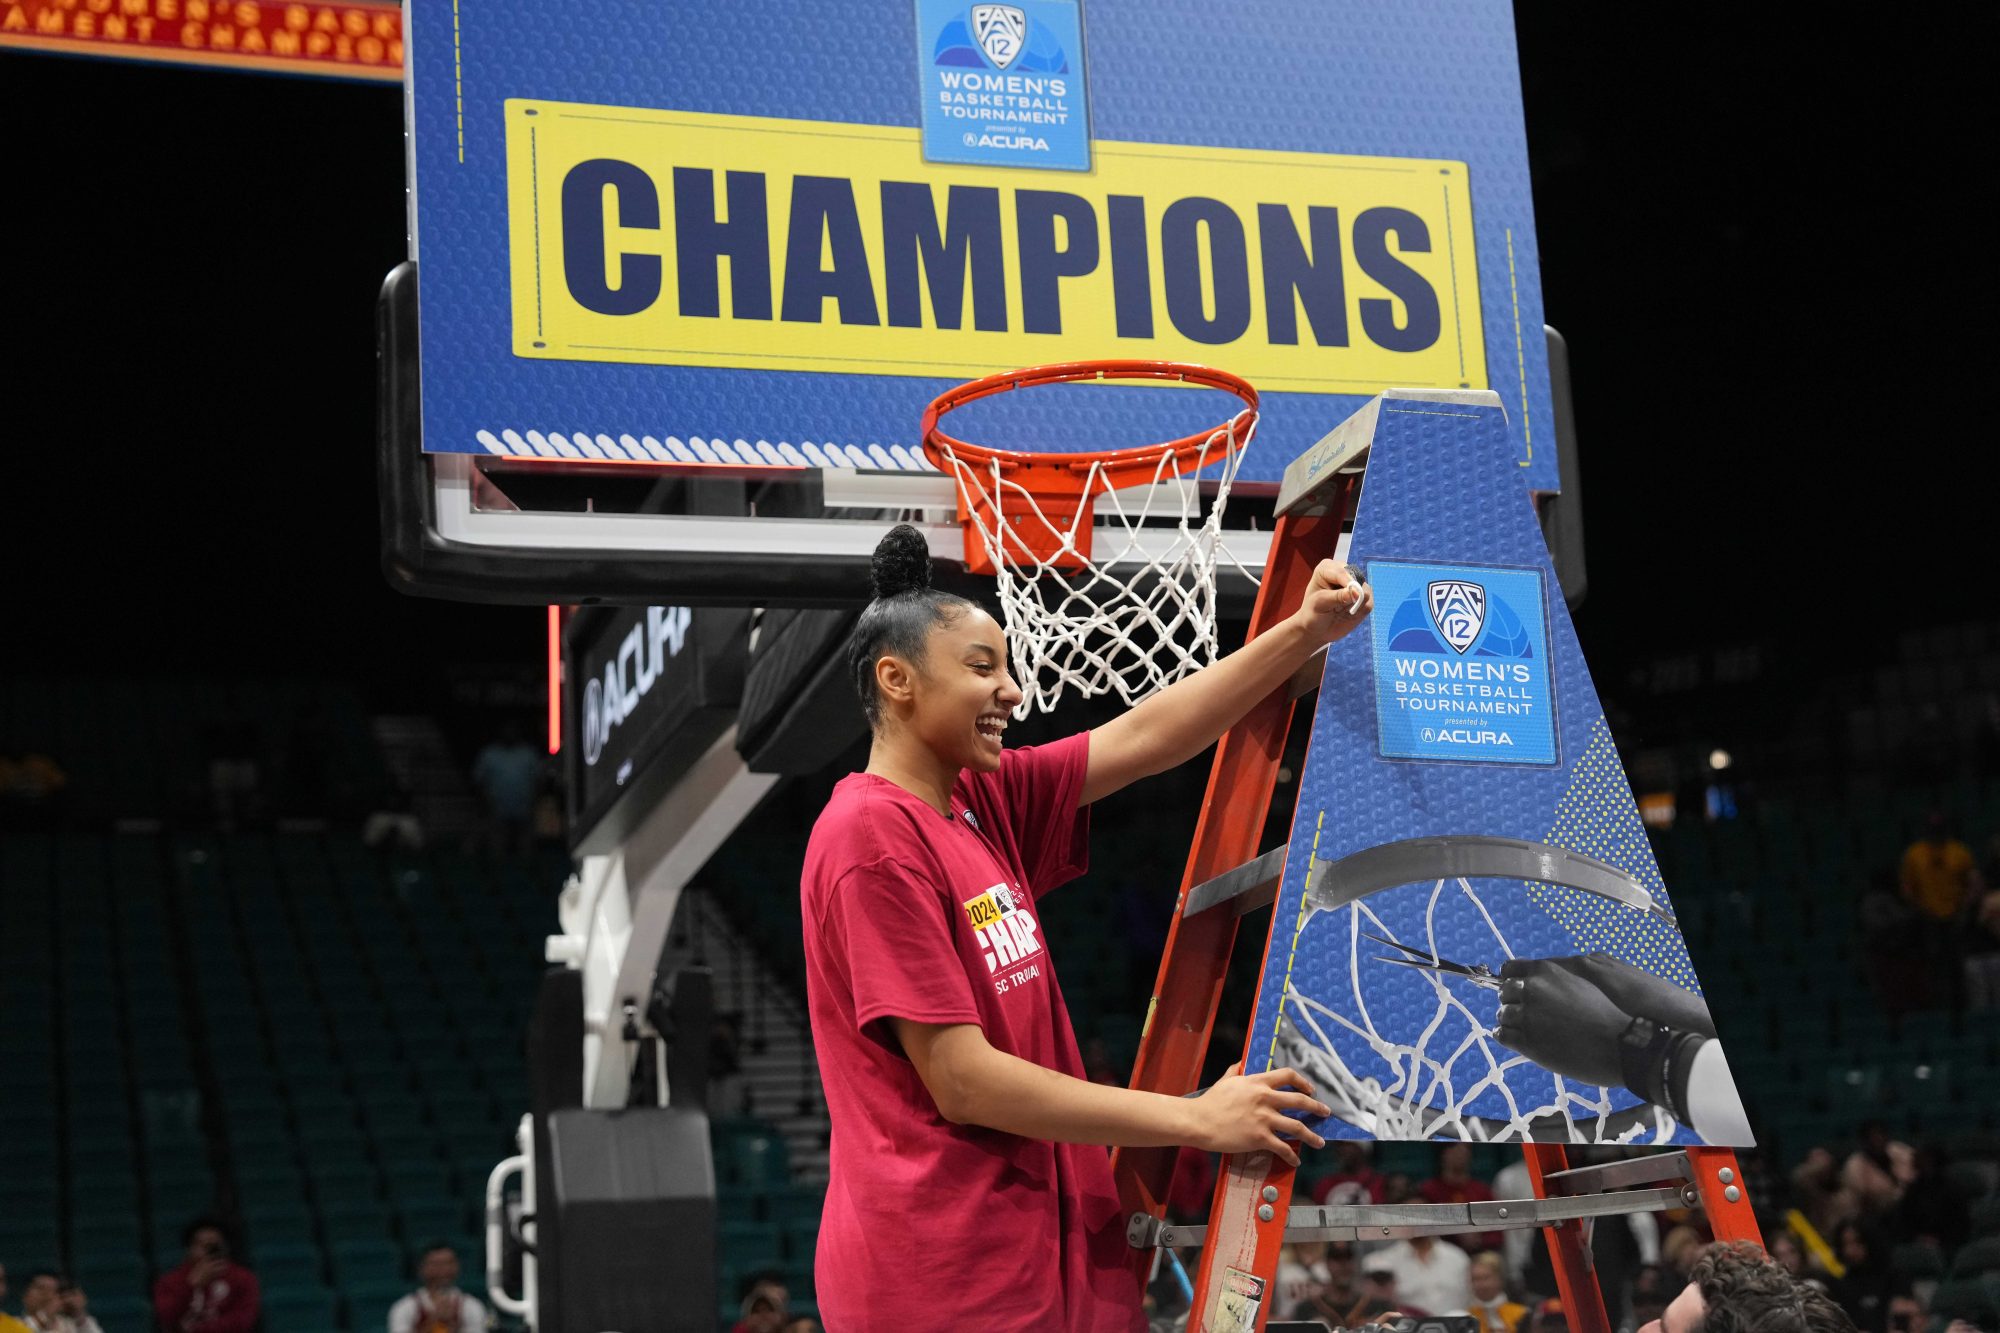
1139,613
1404,1074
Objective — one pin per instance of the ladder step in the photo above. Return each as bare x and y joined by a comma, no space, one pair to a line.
1618,1175
1383,1221
1252,885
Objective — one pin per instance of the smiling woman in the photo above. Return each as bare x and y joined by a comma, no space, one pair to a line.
952,1075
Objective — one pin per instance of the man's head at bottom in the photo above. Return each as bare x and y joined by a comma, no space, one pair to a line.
1737,1288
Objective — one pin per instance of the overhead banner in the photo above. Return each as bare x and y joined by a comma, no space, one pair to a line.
1472,940
789,224
356,41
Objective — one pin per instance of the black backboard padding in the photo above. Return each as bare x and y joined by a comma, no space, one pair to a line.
799,709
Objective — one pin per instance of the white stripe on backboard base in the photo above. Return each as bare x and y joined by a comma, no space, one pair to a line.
585,445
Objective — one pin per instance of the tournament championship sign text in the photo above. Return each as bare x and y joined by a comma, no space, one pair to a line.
676,238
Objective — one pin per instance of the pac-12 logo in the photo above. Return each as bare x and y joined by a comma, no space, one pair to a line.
1001,31
1458,609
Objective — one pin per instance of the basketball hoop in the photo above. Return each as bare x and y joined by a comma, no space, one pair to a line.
1138,614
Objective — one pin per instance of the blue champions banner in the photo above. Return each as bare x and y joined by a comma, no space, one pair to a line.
717,231
1462,663
1004,85
1472,940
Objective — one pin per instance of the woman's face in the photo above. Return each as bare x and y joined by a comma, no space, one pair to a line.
1786,1251
1853,1246
961,693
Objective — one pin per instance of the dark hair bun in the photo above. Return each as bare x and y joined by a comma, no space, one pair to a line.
902,562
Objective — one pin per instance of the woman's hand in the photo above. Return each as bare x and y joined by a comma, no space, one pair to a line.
1333,604
1560,1021
1247,1114
1641,994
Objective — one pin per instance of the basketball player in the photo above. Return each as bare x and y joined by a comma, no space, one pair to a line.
969,1184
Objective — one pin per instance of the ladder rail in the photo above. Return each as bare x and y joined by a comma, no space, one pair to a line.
1187,990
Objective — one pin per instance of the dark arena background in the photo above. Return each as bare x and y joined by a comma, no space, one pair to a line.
282,846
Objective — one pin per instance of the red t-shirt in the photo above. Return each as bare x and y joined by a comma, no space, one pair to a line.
910,914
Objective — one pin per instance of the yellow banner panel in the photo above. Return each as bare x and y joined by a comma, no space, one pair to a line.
673,238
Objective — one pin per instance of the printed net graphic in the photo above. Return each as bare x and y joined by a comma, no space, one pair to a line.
1089,629
1405,1053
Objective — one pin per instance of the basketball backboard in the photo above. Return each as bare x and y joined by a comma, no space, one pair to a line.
714,260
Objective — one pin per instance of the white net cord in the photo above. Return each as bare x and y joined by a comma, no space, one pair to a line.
1140,613
1420,1079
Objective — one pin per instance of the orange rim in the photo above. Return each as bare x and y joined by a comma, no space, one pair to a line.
936,441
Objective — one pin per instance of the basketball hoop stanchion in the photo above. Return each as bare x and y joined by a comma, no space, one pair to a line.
1127,604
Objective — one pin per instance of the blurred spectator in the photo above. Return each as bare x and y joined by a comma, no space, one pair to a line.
1865,1288
1982,944
1378,1288
1490,1306
1517,1246
1354,1178
1435,1277
802,1323
231,746
1932,1209
1341,1301
438,1306
1302,1273
1938,878
1454,1183
207,1292
1738,1286
1397,1188
1548,1317
1679,1249
8,1323
73,1309
508,774
1817,1191
31,789
763,1307
1937,875
1877,1172
1652,1289
394,825
1784,1247
1895,942
51,1303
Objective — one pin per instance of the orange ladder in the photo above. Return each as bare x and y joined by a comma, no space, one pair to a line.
1252,1214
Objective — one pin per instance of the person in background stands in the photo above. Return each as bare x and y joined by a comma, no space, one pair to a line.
1454,1183
1354,1178
207,1292
8,1323
508,774
1863,1291
1738,1286
763,1307
1939,879
50,1304
1877,1172
1437,1278
1342,1302
438,1306
1490,1306
1938,876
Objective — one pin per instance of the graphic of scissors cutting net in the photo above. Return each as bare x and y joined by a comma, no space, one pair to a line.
1417,1018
